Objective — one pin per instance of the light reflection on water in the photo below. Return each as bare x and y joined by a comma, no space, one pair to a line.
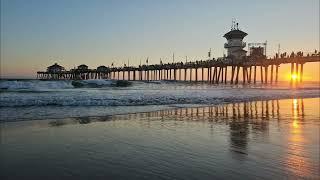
262,139
296,160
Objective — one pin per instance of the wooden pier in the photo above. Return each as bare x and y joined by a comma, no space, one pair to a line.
253,70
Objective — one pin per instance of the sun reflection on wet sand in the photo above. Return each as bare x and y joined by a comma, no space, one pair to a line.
297,160
295,110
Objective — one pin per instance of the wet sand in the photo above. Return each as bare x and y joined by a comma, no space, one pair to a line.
275,139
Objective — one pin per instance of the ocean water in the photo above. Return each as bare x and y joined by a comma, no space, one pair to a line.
265,139
35,99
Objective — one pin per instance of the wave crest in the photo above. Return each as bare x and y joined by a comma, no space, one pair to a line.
93,83
34,85
37,85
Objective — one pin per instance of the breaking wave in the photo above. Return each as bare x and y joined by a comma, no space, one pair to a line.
37,85
99,83
33,85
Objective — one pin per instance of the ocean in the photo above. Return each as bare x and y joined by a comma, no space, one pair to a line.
36,99
105,129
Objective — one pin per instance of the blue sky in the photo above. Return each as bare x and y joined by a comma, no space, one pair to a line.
37,33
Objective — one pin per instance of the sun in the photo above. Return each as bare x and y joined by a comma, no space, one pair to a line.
294,77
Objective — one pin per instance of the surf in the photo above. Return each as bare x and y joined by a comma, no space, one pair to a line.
100,83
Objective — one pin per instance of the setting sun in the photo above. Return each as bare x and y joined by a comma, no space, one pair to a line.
294,77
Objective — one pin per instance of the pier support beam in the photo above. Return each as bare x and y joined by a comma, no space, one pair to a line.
237,75
277,66
185,74
225,75
156,74
210,74
152,75
140,75
261,74
271,78
221,69
196,74
232,74
250,70
266,74
301,72
202,74
297,71
292,70
215,75
243,75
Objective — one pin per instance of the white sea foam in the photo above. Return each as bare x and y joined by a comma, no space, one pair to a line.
34,85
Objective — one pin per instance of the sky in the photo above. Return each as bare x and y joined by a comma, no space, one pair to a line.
38,33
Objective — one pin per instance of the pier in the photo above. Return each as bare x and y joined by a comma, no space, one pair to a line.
251,71
253,66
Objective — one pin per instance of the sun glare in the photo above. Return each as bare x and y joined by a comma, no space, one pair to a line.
295,115
294,77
